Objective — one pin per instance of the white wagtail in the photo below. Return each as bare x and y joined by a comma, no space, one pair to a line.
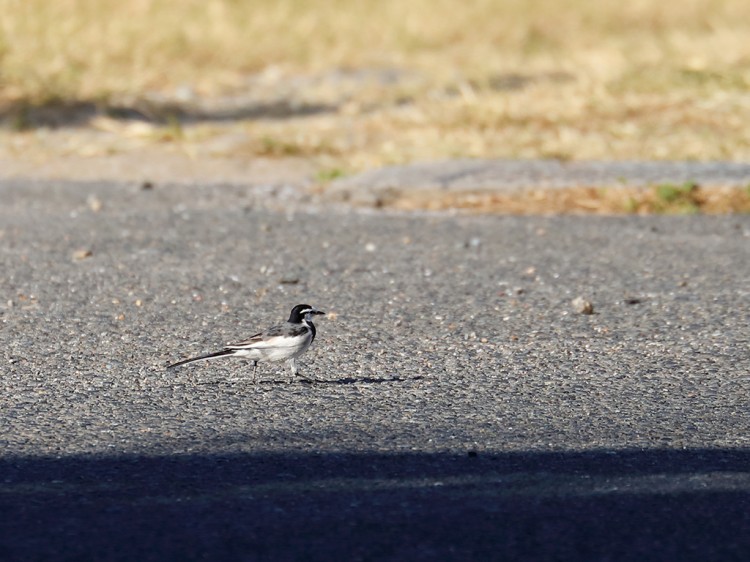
286,341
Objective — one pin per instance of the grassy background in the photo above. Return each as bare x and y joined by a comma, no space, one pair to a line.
570,79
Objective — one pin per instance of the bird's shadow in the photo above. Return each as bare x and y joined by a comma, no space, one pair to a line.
363,380
311,382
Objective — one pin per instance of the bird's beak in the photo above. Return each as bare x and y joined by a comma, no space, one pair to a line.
317,312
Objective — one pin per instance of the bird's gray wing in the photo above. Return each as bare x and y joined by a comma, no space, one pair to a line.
285,329
246,342
268,336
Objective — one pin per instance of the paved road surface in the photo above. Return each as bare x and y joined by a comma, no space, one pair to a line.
463,409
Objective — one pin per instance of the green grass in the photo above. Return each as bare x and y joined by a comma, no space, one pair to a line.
329,174
679,199
671,193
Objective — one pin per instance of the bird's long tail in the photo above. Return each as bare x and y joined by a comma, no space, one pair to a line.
222,353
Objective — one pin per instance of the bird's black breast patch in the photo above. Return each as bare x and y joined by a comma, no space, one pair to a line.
302,330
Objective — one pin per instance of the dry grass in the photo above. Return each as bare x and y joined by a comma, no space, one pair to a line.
571,79
661,199
97,48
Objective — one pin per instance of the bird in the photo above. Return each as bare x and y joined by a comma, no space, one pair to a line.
286,341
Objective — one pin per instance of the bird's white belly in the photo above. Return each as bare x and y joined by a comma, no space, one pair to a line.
275,350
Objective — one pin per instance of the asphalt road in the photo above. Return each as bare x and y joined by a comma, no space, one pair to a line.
462,409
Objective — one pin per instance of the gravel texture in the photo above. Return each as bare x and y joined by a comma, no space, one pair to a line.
462,409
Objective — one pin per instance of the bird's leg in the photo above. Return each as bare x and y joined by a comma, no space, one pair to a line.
295,372
255,368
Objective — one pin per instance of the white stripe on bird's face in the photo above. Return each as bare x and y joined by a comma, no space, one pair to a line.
308,313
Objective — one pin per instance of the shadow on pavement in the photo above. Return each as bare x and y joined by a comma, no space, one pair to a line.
75,113
602,505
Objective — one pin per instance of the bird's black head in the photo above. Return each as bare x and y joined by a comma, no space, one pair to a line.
303,311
